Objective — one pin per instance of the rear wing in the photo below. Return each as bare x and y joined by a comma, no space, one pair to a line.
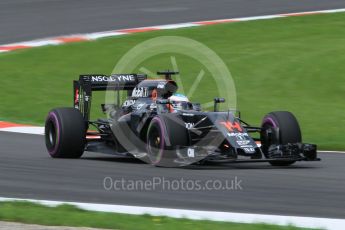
82,88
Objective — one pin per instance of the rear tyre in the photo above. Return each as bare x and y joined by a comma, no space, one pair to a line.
65,133
279,128
165,133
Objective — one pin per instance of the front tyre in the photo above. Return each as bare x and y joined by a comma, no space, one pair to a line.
165,134
279,128
65,133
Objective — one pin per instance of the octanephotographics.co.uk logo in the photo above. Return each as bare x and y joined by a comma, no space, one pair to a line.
165,184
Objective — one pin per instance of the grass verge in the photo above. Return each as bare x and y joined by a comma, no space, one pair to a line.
294,64
66,215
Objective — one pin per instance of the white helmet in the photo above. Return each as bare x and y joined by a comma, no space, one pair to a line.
180,102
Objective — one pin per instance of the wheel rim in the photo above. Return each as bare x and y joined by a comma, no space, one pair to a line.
154,144
52,132
267,137
267,134
51,135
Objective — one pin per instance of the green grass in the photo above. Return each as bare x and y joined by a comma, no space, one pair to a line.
294,64
66,215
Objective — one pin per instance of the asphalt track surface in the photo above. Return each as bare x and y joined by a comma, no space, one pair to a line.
22,20
26,171
305,189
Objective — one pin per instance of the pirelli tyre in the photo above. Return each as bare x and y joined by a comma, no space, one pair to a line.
279,128
65,133
165,134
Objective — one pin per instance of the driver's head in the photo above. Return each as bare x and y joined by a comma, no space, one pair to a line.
179,102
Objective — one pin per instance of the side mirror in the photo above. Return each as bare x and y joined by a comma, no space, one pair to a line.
196,106
217,100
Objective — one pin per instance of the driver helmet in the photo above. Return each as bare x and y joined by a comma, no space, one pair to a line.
179,102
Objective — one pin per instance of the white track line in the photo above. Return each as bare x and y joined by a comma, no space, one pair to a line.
331,151
176,26
25,129
305,222
244,19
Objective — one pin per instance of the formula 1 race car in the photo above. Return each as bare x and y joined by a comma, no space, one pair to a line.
150,121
